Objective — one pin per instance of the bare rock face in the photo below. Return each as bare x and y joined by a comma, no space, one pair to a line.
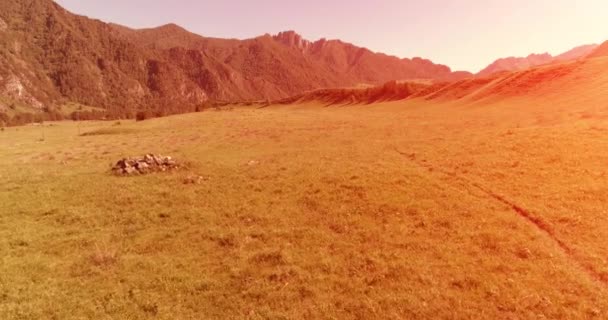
292,39
143,165
15,88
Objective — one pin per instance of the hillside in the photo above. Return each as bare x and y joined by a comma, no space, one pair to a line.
582,80
52,60
51,57
323,181
284,64
576,53
601,51
413,209
522,63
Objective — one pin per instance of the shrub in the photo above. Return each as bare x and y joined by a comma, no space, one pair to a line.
142,115
4,118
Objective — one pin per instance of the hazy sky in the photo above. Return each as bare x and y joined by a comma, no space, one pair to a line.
466,35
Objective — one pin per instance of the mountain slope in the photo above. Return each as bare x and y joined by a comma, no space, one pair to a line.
50,57
53,56
574,82
364,65
287,64
577,53
522,63
600,51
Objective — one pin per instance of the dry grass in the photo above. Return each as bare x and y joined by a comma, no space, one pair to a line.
396,210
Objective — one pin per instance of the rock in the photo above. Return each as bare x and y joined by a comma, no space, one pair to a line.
122,164
168,161
149,159
147,164
194,179
142,167
158,160
130,170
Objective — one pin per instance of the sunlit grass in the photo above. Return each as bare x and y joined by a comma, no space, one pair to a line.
307,212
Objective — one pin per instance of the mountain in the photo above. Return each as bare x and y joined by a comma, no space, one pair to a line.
284,64
522,63
582,81
363,65
577,53
50,57
516,63
600,51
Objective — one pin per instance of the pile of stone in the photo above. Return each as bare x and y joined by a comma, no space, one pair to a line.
144,165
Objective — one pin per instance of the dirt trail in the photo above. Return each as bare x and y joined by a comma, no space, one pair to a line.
523,213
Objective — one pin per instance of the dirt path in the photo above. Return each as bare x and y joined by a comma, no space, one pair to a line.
523,213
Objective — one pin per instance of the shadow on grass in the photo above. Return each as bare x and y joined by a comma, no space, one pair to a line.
108,131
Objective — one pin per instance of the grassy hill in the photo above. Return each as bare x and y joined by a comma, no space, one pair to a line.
411,209
583,82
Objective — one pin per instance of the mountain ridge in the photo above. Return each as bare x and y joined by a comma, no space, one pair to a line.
600,51
534,59
51,57
580,81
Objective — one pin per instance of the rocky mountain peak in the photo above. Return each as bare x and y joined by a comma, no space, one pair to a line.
292,39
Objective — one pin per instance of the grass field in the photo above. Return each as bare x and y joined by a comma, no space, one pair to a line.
403,210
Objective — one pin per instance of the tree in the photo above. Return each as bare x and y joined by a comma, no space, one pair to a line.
4,119
142,115
22,118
